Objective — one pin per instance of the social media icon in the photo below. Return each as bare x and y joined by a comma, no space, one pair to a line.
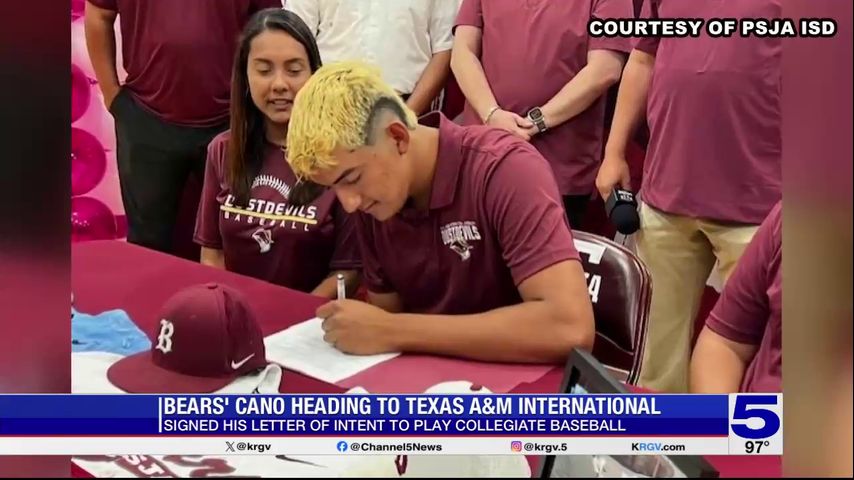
342,446
516,446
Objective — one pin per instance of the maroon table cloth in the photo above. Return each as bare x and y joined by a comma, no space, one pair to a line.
108,275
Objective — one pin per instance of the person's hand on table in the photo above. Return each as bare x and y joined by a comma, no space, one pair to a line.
356,327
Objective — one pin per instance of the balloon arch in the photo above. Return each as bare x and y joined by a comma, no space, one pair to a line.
96,207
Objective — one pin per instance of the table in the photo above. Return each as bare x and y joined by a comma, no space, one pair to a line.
106,275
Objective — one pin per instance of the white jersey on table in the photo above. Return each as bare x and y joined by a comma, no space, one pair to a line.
179,466
468,466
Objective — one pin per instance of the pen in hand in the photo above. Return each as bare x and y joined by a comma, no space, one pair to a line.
342,292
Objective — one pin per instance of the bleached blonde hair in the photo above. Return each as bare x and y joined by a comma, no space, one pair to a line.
336,108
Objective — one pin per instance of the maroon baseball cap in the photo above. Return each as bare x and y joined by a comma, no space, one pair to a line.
206,337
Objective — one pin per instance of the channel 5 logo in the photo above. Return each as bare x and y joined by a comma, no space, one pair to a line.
756,416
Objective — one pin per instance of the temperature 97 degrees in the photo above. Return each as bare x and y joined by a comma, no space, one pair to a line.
755,446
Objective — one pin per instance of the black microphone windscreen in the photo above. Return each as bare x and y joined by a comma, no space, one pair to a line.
625,218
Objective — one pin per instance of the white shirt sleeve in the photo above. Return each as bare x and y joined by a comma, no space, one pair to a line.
442,18
308,11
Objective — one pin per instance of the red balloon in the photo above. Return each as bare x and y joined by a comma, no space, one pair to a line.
88,161
81,93
77,8
91,220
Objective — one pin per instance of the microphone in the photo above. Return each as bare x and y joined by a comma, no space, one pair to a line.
622,209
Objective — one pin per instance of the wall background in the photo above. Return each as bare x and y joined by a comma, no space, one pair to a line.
96,204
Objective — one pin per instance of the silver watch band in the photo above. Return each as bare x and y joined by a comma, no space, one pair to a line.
541,123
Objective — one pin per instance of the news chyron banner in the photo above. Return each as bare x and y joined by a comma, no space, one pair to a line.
742,424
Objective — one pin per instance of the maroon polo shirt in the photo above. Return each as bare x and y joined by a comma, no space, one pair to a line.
751,306
178,54
495,218
529,51
714,116
267,238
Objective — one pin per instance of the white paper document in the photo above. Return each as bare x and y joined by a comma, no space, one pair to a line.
301,348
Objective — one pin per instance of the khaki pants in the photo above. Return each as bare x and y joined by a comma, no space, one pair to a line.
680,253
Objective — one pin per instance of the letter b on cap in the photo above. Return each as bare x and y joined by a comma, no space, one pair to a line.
164,339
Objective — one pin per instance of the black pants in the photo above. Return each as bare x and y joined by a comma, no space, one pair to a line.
155,160
575,206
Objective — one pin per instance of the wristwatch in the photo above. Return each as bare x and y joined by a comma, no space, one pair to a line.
536,115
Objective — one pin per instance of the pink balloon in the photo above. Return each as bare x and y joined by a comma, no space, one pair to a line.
88,161
81,93
77,8
91,220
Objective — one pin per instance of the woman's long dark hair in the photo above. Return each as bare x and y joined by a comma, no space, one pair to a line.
246,145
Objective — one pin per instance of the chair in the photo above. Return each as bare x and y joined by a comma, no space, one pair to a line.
621,290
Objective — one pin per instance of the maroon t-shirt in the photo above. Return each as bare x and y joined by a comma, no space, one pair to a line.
267,238
714,116
178,54
751,306
495,218
529,51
